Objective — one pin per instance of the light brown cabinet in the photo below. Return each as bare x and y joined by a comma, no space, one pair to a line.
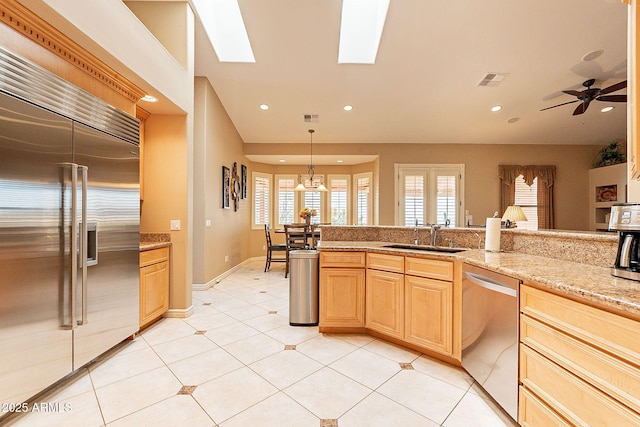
385,302
410,300
577,363
429,304
428,313
342,289
154,284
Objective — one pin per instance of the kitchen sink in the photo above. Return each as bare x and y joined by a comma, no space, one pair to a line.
428,248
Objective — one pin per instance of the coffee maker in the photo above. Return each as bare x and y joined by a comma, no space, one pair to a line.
625,218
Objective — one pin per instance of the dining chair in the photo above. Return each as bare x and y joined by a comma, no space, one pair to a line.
296,238
271,248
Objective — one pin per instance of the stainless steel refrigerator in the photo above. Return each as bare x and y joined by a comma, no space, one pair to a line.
69,228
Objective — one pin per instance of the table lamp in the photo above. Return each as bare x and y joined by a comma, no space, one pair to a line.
513,214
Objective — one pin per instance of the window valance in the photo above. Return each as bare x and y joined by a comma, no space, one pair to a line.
546,175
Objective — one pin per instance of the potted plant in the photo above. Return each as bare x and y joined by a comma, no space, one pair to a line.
610,155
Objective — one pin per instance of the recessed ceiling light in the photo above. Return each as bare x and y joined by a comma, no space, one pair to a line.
339,161
149,98
361,27
282,160
513,119
496,108
223,24
593,55
348,108
264,107
607,109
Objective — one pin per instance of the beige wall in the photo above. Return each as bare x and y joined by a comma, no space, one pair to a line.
217,144
168,161
166,197
481,172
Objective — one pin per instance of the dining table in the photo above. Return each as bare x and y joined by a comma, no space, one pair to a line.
310,236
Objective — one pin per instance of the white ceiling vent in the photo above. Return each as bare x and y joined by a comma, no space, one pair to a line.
493,79
311,118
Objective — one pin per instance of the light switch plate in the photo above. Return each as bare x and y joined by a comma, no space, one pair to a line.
175,225
208,223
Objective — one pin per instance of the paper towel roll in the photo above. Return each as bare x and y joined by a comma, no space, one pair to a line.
492,235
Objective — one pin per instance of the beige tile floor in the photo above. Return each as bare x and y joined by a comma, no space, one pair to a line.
237,362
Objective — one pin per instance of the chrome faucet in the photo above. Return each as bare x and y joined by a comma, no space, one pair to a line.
416,241
479,240
434,232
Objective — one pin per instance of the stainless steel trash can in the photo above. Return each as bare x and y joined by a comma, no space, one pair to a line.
303,287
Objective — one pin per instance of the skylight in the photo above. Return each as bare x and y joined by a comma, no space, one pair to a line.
225,28
360,30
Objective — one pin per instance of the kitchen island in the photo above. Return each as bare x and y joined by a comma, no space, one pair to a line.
579,325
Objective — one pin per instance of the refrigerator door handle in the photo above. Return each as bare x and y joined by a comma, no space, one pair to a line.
84,243
73,250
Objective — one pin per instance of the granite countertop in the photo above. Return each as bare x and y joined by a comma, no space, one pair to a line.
150,241
587,282
147,246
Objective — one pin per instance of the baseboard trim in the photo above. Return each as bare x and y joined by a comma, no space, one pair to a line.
218,279
179,312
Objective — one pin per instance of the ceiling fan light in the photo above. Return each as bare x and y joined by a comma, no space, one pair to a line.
593,55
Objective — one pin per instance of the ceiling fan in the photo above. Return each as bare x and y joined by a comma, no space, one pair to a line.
589,94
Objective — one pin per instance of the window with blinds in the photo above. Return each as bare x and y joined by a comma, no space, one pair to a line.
312,200
414,200
446,199
339,200
285,200
429,194
363,199
261,199
527,198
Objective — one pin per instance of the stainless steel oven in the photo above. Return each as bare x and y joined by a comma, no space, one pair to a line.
490,333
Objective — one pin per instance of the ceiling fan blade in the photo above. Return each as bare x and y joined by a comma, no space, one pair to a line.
582,107
559,105
612,98
613,88
572,92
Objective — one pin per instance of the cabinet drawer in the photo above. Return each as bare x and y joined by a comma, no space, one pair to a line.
431,268
532,412
342,259
393,263
607,331
608,373
153,256
572,398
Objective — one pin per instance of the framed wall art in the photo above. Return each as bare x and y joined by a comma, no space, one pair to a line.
226,188
243,178
607,193
235,187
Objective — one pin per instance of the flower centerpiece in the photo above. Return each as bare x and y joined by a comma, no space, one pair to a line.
307,213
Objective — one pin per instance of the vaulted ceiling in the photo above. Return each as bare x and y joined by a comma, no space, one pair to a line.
424,85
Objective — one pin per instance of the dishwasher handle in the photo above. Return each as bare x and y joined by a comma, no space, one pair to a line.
491,285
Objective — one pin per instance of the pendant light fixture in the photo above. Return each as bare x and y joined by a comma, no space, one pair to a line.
310,182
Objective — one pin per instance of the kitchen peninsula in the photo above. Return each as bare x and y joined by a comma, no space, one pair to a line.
579,325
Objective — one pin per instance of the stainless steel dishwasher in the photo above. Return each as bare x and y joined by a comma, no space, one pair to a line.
490,333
